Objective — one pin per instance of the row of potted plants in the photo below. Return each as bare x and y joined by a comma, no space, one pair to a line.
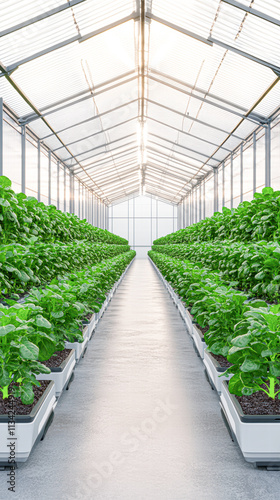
253,266
24,266
34,334
22,217
239,342
256,220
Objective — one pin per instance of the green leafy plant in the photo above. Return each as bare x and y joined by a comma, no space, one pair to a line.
255,352
22,217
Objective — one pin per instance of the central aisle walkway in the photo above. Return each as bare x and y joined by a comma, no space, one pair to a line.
140,421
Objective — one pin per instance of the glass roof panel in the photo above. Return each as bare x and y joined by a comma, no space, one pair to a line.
87,60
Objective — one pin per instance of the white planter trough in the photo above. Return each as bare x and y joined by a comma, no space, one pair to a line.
189,321
92,324
214,370
258,436
198,341
80,347
28,429
62,374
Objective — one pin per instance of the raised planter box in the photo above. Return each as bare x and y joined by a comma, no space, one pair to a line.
28,428
214,370
62,374
258,436
198,341
79,347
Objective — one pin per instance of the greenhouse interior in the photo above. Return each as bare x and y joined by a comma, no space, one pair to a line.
140,249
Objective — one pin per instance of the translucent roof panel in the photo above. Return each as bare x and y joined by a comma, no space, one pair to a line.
72,72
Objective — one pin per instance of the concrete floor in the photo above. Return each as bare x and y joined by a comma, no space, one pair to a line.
140,421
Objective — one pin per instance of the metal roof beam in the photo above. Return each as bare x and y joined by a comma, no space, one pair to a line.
97,133
107,152
93,118
177,152
117,179
83,92
105,144
104,161
171,168
205,100
175,27
122,187
175,160
160,188
171,183
197,89
78,101
253,11
117,197
164,171
186,133
184,147
122,166
242,53
192,118
40,17
64,43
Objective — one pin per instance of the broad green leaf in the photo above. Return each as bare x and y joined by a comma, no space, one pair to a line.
43,322
249,366
4,330
28,350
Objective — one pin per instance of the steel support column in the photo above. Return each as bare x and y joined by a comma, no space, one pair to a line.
268,155
204,201
1,136
23,158
216,200
64,194
57,192
241,173
254,163
50,177
200,211
223,179
39,170
231,180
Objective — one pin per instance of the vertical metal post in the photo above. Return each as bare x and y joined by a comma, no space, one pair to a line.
254,163
39,171
216,199
57,193
71,193
268,155
64,194
231,180
151,218
1,136
157,218
204,201
223,180
134,223
241,173
200,202
174,219
50,177
128,220
92,209
23,158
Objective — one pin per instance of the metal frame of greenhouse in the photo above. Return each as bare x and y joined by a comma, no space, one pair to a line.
132,97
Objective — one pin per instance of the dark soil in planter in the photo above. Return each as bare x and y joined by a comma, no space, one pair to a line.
203,330
88,316
57,358
259,404
222,360
18,407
